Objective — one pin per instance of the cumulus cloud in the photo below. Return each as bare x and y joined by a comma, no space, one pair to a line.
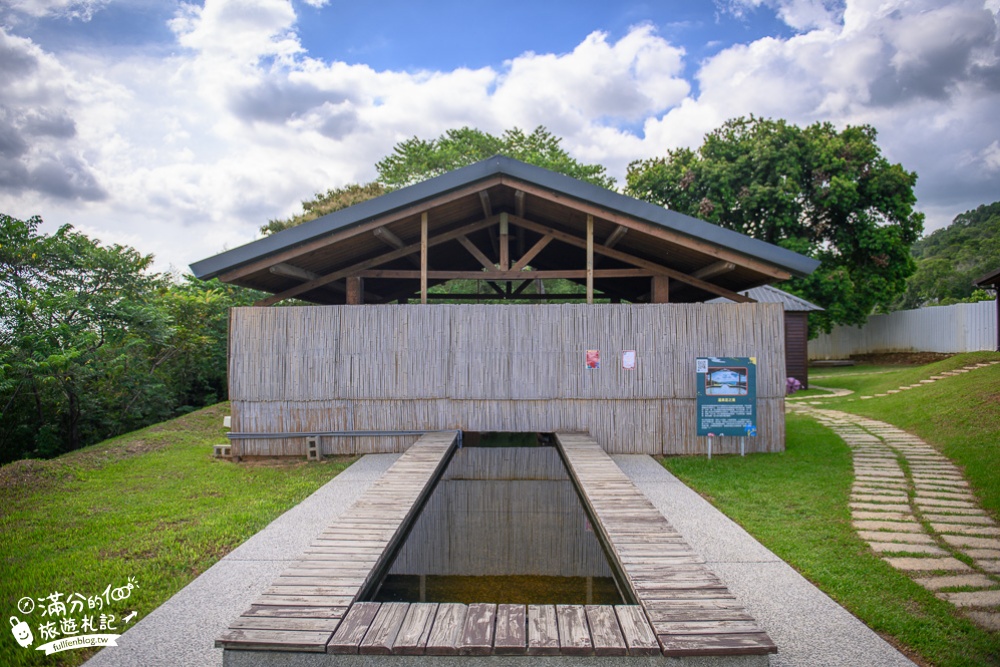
83,10
36,128
186,154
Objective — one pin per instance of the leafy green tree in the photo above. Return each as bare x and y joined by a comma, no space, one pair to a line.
327,202
415,160
950,259
81,336
814,190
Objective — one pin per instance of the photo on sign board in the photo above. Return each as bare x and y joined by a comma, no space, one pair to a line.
628,360
593,360
726,381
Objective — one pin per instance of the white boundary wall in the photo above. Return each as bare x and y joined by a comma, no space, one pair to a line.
963,327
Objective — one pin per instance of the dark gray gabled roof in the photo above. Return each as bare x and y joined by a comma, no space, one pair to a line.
771,294
794,263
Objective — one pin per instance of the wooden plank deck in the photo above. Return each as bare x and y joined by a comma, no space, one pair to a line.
303,607
690,610
314,605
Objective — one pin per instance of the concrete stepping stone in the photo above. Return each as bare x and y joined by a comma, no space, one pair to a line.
962,513
973,598
892,526
947,564
965,530
990,620
863,515
878,498
945,495
886,536
968,519
969,541
941,502
899,547
991,566
980,554
955,581
880,507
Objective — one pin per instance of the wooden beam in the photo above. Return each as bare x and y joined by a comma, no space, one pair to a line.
342,234
477,253
590,259
355,290
614,237
434,296
532,253
423,257
484,199
374,261
660,289
500,276
292,271
504,243
655,268
714,269
387,237
519,203
649,228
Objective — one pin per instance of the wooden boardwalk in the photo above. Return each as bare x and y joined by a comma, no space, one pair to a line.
315,605
689,608
304,606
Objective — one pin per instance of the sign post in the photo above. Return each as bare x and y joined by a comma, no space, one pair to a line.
727,397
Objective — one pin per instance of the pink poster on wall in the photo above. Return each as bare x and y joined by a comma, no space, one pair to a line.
593,360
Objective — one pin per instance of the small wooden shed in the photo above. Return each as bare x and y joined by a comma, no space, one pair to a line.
797,312
385,357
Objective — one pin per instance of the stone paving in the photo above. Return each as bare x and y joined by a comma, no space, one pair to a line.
913,507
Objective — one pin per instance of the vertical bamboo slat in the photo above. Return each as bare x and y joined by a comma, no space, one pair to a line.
490,368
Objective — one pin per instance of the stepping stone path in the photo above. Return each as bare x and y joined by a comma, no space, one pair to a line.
837,393
931,380
914,509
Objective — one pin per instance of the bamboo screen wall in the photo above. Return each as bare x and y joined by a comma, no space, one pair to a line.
494,368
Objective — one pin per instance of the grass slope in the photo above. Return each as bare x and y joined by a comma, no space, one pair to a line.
153,505
796,502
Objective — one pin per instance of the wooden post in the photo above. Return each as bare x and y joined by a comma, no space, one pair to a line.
504,243
660,290
590,259
423,257
355,290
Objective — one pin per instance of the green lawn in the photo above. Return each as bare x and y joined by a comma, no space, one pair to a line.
796,502
153,505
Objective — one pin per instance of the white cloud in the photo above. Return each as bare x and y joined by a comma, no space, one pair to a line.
83,10
187,154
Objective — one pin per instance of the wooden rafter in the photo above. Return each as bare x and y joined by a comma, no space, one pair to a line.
500,276
590,259
375,261
655,268
298,273
484,199
714,269
649,228
384,235
335,237
532,253
476,252
423,257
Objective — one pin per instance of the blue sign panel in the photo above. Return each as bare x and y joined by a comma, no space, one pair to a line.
727,395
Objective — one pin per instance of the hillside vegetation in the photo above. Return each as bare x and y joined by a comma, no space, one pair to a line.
950,259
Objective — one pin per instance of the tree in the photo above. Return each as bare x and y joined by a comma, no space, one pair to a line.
950,259
814,190
325,203
415,160
81,336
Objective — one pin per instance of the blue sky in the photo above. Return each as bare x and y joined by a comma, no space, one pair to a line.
180,128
